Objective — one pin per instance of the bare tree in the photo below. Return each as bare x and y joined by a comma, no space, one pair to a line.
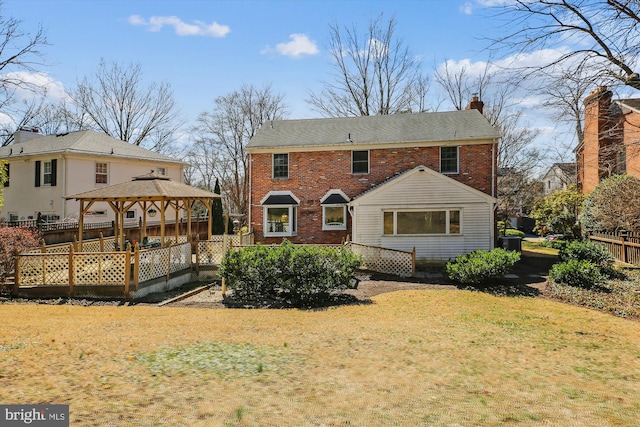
374,73
564,91
115,102
517,157
604,34
20,54
222,135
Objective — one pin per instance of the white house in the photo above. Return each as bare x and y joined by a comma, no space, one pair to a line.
44,169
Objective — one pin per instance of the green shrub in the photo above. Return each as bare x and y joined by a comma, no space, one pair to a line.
511,232
577,273
582,250
480,266
288,274
502,223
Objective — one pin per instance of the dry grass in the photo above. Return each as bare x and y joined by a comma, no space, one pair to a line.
436,358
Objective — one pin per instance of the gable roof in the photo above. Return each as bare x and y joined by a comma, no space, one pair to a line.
150,186
454,126
568,169
420,169
86,142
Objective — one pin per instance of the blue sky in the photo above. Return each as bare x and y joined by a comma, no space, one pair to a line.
206,49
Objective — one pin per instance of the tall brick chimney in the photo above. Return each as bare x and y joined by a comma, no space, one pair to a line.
475,104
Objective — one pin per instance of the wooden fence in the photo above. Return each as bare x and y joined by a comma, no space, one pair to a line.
100,265
624,247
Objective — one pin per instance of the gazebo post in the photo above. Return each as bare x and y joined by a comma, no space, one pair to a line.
144,220
121,217
187,206
209,219
162,220
81,223
176,229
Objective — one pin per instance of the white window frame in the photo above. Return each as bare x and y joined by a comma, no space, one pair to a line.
273,166
368,162
342,226
47,165
161,171
457,171
292,229
447,224
105,173
292,213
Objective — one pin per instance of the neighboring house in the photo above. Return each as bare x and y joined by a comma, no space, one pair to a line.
44,169
424,180
558,177
611,139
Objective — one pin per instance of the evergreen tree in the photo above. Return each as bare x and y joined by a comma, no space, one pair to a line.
217,226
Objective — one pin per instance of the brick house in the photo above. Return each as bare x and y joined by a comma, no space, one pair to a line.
611,139
424,180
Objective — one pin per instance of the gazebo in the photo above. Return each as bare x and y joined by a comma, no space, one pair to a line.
153,193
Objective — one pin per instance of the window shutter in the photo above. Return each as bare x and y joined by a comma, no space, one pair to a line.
8,170
54,172
37,173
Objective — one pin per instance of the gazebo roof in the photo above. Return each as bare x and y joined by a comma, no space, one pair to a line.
151,186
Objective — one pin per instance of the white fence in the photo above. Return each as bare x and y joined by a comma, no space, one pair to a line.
388,261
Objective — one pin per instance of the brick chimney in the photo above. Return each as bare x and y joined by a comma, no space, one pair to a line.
475,104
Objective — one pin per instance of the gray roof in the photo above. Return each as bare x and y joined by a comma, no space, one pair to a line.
631,104
81,142
452,126
146,187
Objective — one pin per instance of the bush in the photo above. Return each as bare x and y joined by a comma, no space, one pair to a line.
13,242
511,232
587,251
577,273
480,266
288,274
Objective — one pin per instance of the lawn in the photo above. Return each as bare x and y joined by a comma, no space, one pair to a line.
433,358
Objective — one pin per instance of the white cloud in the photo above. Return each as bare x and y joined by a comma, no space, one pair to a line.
299,45
54,89
467,8
197,28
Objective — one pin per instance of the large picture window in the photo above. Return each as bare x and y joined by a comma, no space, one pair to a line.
359,162
280,214
422,222
281,166
449,159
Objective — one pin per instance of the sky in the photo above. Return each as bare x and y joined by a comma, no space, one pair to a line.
206,49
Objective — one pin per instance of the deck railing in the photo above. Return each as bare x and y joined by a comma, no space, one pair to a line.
99,265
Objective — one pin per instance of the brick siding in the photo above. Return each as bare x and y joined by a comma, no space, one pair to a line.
313,174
